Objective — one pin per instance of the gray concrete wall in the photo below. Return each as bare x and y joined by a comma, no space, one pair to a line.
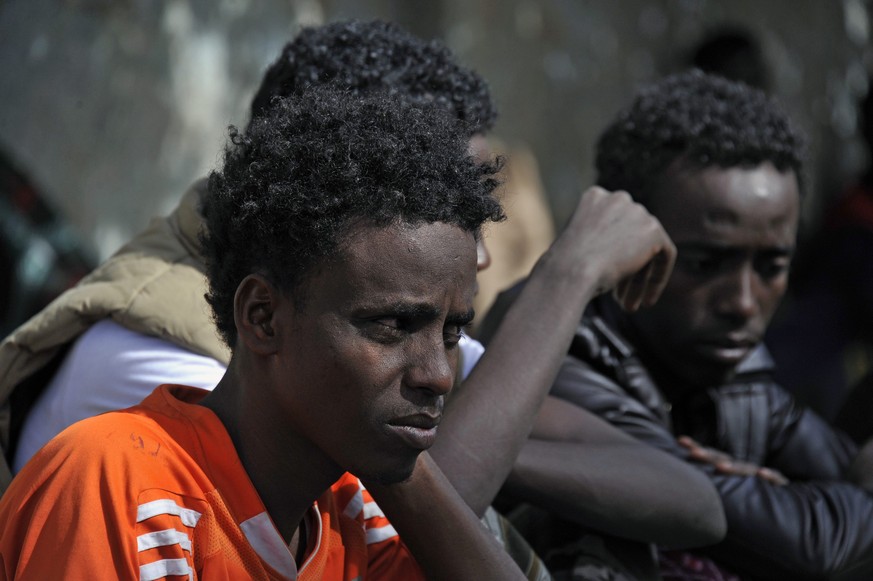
115,106
562,68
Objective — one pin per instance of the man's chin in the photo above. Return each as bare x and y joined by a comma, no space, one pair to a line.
689,374
391,476
708,374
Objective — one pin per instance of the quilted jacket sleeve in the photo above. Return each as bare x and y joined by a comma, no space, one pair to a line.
809,529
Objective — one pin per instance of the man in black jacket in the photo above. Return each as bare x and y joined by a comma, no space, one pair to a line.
720,165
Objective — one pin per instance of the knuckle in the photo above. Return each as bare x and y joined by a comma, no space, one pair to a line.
623,197
596,192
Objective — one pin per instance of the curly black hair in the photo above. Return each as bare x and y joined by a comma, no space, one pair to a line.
363,56
318,163
702,119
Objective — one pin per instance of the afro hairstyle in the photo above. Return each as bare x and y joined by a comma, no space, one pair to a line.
702,120
322,162
376,55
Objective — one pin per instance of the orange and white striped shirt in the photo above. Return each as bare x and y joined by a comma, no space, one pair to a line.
157,492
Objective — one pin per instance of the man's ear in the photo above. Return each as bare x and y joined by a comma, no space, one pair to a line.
254,308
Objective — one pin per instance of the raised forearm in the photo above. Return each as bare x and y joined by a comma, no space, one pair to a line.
442,533
488,420
610,242
626,489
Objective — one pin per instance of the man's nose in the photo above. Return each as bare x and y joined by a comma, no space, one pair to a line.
432,369
738,295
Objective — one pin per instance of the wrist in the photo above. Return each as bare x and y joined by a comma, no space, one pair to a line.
580,277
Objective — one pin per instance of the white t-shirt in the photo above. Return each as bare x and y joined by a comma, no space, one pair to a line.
471,351
110,367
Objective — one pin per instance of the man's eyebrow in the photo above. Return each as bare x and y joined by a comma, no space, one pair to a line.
414,310
427,311
461,319
723,248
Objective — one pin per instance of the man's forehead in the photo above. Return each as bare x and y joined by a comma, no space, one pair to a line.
364,239
724,196
403,263
725,229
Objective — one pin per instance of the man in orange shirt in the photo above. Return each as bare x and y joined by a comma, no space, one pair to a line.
342,261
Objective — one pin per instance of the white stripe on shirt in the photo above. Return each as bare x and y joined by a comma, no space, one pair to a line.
188,517
372,509
356,504
163,539
377,535
163,568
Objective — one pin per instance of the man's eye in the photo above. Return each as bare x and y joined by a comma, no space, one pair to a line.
385,330
452,335
771,268
700,264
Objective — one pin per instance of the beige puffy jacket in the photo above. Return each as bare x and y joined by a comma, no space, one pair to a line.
154,285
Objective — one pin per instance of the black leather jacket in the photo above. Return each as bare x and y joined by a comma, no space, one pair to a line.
816,527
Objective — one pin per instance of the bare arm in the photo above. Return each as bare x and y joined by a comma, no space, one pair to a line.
610,242
446,538
581,468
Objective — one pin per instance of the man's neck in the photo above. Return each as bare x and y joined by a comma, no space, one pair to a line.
672,385
287,471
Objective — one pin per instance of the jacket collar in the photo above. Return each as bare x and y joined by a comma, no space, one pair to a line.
187,220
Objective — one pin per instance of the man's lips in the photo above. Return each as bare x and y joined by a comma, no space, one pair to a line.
416,431
730,350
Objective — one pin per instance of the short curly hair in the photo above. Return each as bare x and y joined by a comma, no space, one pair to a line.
702,119
376,55
318,163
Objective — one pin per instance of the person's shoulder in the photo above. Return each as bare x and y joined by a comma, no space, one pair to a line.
124,449
114,434
97,490
598,339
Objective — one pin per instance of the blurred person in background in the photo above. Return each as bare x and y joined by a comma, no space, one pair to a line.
514,245
734,53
